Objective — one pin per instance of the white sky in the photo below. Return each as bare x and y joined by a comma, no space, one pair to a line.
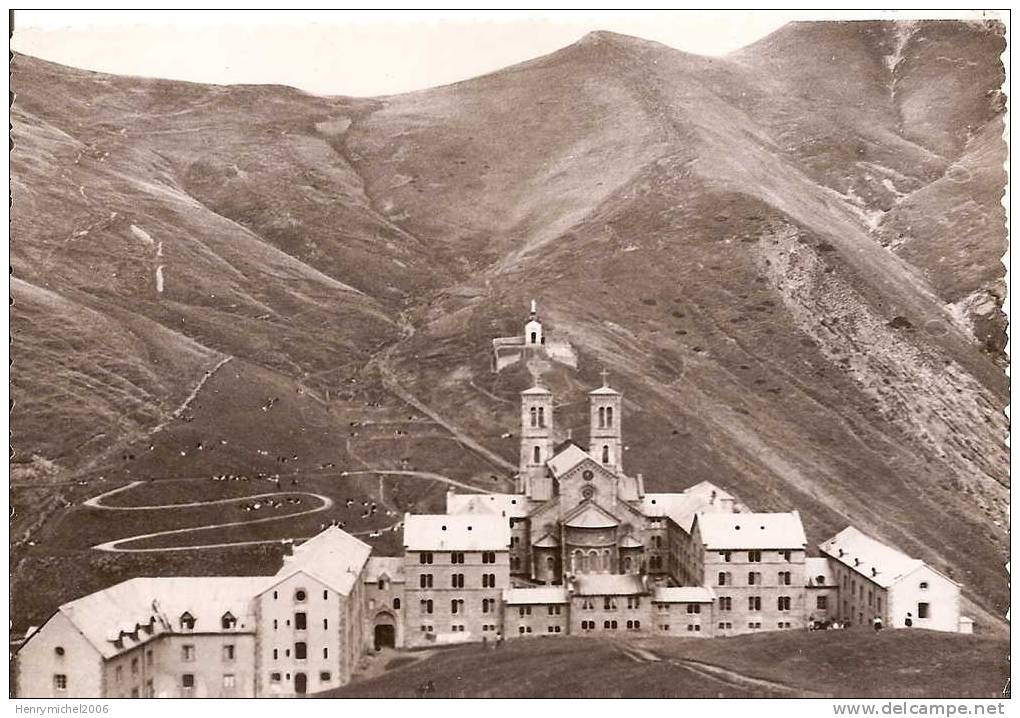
359,53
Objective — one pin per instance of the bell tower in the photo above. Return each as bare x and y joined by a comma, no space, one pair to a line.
606,435
536,441
533,337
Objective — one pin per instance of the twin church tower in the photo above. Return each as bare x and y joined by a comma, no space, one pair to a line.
538,429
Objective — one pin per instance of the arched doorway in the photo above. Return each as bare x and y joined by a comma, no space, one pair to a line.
300,683
385,632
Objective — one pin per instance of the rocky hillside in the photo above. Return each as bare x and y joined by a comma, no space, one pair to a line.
787,258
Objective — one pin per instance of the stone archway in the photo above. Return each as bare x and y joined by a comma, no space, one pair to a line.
384,631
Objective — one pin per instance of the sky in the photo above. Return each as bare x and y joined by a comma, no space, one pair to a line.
364,53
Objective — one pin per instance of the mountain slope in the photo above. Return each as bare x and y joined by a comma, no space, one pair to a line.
787,259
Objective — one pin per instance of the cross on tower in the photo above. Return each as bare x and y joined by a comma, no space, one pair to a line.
605,374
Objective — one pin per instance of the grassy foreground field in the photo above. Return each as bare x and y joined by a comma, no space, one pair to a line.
797,664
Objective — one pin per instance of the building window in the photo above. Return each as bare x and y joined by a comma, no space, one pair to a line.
381,584
228,621
325,624
274,677
456,605
426,606
524,611
724,578
228,652
150,689
457,580
609,416
754,556
425,580
923,610
188,682
187,653
187,622
785,578
325,676
605,454
134,666
693,608
276,595
754,603
276,653
300,650
301,621
538,455
396,604
488,580
300,595
541,416
325,652
787,555
425,557
753,578
784,603
325,595
59,650
457,557
924,586
534,416
229,680
822,603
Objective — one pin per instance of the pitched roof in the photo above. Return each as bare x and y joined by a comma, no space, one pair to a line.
589,515
629,541
379,566
818,567
547,541
332,557
608,584
456,532
101,616
869,557
567,459
536,391
540,594
683,594
682,507
751,530
506,505
603,391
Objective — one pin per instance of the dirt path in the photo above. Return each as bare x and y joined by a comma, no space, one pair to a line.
116,546
392,383
325,503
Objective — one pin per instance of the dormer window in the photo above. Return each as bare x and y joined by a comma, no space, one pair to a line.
187,622
228,621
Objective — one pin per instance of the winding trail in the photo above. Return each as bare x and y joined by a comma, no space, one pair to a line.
324,504
96,502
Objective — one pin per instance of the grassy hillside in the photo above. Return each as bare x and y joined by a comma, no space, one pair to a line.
856,663
786,258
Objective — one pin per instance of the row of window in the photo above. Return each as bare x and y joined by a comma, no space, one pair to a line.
754,578
188,652
783,603
609,603
300,595
610,625
301,620
300,652
754,556
551,610
549,629
457,605
324,676
426,580
456,557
